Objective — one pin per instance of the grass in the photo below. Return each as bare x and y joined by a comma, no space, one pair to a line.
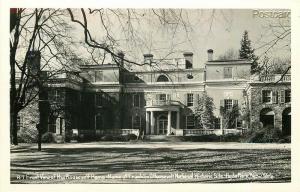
148,163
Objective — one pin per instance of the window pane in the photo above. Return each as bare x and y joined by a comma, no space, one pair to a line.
266,96
287,96
136,100
227,72
190,122
190,99
228,104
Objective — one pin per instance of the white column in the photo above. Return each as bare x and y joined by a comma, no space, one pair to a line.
152,123
221,125
169,123
147,123
177,120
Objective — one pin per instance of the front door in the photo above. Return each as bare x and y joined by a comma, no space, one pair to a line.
162,125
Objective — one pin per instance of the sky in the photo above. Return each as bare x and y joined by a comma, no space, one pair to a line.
218,29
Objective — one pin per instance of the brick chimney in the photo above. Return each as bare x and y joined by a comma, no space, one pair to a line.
188,56
34,62
210,54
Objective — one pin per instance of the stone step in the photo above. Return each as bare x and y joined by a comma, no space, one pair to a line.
160,138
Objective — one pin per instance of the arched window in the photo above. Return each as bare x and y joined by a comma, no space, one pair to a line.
162,78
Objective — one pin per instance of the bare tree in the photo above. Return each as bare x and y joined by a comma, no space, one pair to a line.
38,42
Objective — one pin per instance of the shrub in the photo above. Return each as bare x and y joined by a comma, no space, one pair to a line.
27,135
231,137
264,135
48,137
131,137
202,138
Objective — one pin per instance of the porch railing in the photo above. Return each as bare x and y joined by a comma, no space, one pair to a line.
110,132
198,131
162,102
276,77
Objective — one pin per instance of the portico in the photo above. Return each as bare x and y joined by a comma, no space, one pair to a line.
159,120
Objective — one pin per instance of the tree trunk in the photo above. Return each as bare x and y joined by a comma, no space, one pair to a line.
14,127
38,127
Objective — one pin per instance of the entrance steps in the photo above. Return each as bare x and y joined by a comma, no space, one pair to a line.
161,138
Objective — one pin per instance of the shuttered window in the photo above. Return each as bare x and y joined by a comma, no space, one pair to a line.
190,122
266,96
136,100
227,72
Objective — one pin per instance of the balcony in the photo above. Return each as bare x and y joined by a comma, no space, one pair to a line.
276,78
162,102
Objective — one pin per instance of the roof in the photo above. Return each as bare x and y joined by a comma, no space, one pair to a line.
229,62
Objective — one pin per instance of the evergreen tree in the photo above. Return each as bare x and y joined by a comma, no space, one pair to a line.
204,112
246,52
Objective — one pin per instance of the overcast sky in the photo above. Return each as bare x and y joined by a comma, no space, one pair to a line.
219,30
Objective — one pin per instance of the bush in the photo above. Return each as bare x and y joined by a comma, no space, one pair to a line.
231,137
202,138
27,135
264,135
48,137
128,137
131,137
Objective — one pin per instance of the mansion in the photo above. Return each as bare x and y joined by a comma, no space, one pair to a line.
159,97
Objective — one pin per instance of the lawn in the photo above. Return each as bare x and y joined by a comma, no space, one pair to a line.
107,162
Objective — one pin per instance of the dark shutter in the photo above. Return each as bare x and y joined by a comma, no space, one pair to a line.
282,96
235,102
274,96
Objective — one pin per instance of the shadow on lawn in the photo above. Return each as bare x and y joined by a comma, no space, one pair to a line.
115,160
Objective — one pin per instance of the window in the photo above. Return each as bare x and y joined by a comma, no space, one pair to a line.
136,100
19,122
217,123
98,76
266,96
228,103
162,97
239,123
52,124
136,122
190,122
98,99
190,99
98,122
162,78
287,96
227,72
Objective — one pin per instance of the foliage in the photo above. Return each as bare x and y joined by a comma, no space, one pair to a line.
230,54
229,116
48,137
267,134
27,135
246,52
204,111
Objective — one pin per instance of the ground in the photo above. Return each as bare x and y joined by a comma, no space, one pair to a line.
155,162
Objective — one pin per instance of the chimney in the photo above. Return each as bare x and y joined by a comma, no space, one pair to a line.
34,62
210,54
148,58
188,56
121,56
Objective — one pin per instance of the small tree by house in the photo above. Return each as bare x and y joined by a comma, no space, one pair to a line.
204,111
229,116
246,52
